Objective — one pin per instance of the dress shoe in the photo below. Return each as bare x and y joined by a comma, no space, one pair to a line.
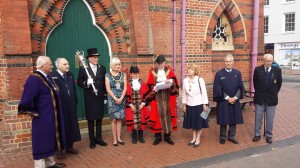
121,142
169,141
233,141
196,145
101,142
92,146
269,140
115,144
58,165
222,141
72,151
256,138
191,143
134,140
60,155
156,141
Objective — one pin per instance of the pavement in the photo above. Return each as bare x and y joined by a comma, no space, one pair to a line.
284,152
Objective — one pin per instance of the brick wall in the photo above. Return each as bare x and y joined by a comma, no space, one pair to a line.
150,31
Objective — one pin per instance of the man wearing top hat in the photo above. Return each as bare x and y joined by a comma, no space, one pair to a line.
94,104
162,102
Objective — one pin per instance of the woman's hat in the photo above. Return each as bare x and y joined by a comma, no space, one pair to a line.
134,69
91,52
160,58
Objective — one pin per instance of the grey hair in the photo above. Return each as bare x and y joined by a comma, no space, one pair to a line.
57,61
229,55
267,56
114,61
41,60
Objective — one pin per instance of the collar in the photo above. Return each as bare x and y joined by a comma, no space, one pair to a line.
42,72
62,74
268,69
93,66
228,70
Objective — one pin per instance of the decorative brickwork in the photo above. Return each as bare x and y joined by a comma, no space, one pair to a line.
45,15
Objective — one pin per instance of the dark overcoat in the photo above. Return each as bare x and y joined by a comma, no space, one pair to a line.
267,94
94,105
41,99
228,83
68,96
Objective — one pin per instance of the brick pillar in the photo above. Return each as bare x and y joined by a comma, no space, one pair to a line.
15,42
141,24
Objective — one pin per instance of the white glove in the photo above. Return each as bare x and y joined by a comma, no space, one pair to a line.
90,81
105,101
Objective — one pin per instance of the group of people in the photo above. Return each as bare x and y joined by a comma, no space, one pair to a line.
50,98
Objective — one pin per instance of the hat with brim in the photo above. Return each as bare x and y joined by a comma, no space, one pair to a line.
160,58
92,52
134,69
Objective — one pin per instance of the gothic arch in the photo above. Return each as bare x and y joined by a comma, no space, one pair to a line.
233,14
46,15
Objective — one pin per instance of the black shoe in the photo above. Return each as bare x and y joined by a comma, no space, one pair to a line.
141,136
222,141
121,142
92,145
115,144
156,141
196,145
101,142
58,165
191,143
134,140
256,138
169,140
269,140
233,141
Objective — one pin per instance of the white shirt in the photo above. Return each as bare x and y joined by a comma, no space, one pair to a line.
191,95
94,68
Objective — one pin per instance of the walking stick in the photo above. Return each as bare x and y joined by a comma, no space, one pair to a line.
265,123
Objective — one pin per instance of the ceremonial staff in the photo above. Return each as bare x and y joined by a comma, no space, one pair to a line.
80,55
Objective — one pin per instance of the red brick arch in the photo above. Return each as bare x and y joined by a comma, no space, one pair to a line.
45,15
230,9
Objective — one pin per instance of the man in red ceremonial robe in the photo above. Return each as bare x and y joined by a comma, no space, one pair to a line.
162,101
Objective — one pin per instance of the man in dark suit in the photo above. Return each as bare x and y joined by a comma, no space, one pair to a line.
65,80
227,90
267,80
94,104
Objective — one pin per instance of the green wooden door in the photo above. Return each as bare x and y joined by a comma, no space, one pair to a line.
77,32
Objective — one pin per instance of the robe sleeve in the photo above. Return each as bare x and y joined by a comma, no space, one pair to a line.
217,88
150,94
128,95
29,100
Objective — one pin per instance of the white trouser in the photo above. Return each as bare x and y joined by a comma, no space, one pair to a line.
43,163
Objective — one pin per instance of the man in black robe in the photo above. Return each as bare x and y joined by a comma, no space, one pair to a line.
227,90
65,80
94,104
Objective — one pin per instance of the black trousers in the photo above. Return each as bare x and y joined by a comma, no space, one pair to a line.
92,137
231,131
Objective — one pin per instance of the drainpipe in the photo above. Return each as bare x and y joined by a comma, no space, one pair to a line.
174,35
254,41
182,40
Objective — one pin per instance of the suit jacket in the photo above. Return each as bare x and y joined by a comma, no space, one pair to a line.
94,105
69,105
267,94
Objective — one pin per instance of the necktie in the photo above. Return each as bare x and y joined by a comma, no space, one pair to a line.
267,69
50,80
66,82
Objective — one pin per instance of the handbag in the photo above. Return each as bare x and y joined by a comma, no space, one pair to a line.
203,114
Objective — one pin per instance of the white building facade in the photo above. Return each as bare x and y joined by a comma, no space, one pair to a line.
282,31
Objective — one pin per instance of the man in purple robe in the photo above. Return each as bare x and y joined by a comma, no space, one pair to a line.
40,100
227,90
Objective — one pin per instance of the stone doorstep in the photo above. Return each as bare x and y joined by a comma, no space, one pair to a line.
105,125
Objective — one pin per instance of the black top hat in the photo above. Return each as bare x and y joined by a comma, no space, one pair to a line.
134,69
91,52
160,58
